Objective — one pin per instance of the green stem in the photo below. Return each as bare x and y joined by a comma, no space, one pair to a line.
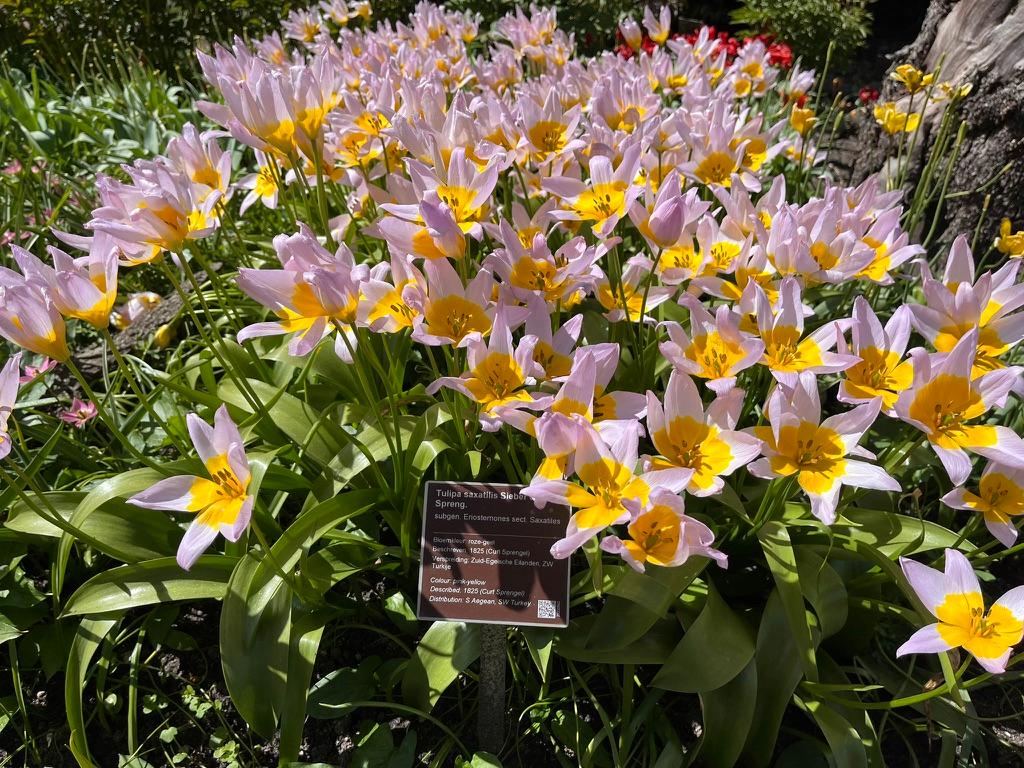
243,386
19,695
133,384
106,418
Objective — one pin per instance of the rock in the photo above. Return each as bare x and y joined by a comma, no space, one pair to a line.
980,42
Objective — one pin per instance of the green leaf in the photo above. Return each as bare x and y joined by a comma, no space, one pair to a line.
824,590
88,637
894,534
444,652
150,583
405,755
331,696
778,551
331,565
255,627
637,600
803,754
39,457
117,487
843,740
23,518
671,757
728,715
282,412
713,651
859,719
539,641
306,632
483,760
7,630
374,749
654,647
778,673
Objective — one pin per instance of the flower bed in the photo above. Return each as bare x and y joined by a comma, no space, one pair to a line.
790,446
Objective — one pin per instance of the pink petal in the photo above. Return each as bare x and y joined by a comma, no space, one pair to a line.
960,576
925,640
196,540
173,494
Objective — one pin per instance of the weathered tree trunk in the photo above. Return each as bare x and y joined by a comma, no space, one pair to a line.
979,42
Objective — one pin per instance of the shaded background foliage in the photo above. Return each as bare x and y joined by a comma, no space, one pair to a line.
60,33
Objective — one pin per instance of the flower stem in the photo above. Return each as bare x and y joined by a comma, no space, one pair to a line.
107,419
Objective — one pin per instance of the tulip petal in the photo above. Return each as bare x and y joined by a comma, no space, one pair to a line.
196,540
172,494
928,584
925,640
960,576
863,475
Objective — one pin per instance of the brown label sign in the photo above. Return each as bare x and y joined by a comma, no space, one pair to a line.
486,557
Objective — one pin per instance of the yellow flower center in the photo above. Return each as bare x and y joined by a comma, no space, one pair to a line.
535,275
825,257
393,306
455,317
815,452
943,405
784,351
218,500
609,483
601,201
497,380
998,497
554,364
548,136
879,373
265,184
687,442
679,257
715,355
716,168
655,536
460,200
372,122
964,623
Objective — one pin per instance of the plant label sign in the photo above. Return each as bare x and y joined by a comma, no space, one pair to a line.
486,557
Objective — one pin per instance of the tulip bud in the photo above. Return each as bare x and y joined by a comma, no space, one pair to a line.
631,33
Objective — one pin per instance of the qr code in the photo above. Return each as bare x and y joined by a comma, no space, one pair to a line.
547,609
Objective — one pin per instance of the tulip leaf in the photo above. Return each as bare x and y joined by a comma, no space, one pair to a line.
637,600
713,651
539,641
24,519
728,715
332,695
778,551
306,632
653,647
88,637
39,457
895,534
824,590
284,413
150,583
446,649
119,486
778,673
847,749
255,628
